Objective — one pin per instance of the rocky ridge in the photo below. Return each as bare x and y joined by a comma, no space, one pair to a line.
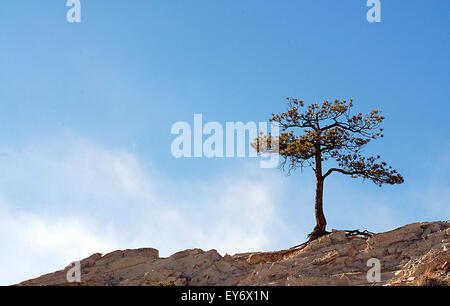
415,254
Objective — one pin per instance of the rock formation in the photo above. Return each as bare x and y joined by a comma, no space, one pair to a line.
415,254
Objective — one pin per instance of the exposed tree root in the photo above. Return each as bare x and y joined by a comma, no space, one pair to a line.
317,233
349,233
283,254
300,246
357,234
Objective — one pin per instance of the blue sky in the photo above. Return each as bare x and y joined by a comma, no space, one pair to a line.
86,112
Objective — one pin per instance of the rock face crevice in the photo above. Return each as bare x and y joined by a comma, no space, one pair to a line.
415,254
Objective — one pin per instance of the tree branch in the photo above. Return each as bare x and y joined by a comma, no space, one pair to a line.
338,170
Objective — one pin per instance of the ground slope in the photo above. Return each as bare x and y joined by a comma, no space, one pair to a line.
415,254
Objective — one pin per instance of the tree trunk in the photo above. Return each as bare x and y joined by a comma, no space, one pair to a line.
321,223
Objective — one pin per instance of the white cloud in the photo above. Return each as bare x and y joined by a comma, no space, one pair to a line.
33,244
69,200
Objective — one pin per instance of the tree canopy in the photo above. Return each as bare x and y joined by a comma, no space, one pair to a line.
332,132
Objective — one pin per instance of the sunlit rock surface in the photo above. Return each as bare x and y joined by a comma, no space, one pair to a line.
415,254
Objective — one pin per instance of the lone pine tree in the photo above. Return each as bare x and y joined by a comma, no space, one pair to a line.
313,134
